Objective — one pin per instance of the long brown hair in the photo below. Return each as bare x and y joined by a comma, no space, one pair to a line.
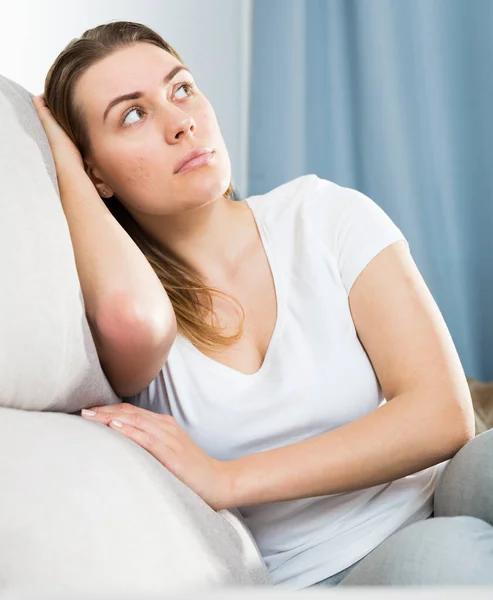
190,297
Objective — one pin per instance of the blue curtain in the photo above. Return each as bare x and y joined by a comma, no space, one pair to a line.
393,98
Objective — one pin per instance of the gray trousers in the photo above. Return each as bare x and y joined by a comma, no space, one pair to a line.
453,547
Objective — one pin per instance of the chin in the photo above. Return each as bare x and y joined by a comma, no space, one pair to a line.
205,189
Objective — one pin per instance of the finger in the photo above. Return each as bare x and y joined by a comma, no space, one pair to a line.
40,104
138,421
146,433
145,439
103,414
110,409
126,407
46,117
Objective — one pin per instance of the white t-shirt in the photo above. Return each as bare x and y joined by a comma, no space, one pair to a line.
316,376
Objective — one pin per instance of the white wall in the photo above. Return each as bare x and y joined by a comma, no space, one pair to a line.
212,36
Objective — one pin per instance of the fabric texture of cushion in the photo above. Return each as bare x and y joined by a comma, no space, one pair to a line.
84,509
48,360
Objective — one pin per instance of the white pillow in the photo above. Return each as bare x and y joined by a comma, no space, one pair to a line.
84,509
48,360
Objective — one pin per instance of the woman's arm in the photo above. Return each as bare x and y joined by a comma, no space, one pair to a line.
128,310
428,416
131,317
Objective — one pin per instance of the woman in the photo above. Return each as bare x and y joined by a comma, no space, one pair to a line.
256,341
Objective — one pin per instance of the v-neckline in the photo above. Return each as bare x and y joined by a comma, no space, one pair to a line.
223,369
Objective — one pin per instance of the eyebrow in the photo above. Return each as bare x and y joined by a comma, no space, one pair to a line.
137,95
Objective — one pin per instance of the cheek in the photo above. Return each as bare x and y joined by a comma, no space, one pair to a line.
137,178
211,133
136,172
207,125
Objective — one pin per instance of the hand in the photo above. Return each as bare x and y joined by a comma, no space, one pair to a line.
172,446
62,147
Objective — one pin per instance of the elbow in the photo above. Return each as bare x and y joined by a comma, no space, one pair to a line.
124,323
466,430
133,343
461,426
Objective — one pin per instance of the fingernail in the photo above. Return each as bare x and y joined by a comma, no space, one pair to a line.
116,423
87,413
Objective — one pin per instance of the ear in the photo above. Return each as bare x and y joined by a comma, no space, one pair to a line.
104,190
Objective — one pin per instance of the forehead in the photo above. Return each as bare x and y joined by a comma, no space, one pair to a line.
139,67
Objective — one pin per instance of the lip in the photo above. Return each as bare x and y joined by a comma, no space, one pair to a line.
194,158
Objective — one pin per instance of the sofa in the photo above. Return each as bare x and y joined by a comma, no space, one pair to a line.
84,512
82,509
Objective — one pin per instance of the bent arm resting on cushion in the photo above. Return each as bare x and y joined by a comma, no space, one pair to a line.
428,415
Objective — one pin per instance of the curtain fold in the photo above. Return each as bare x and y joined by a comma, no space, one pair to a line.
395,99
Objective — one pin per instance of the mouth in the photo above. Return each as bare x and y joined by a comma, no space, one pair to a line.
195,158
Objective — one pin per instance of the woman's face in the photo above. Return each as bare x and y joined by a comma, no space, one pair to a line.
139,143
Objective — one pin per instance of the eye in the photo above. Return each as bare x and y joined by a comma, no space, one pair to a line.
134,109
184,91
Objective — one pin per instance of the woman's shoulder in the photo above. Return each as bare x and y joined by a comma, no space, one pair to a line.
296,189
306,195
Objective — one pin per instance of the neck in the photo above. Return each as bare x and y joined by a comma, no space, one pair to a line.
211,239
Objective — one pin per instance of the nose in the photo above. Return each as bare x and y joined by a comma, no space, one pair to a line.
179,125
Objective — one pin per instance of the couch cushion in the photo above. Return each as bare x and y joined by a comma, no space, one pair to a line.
482,401
84,509
47,355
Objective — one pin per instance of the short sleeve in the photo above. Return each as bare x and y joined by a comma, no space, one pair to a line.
353,227
153,397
